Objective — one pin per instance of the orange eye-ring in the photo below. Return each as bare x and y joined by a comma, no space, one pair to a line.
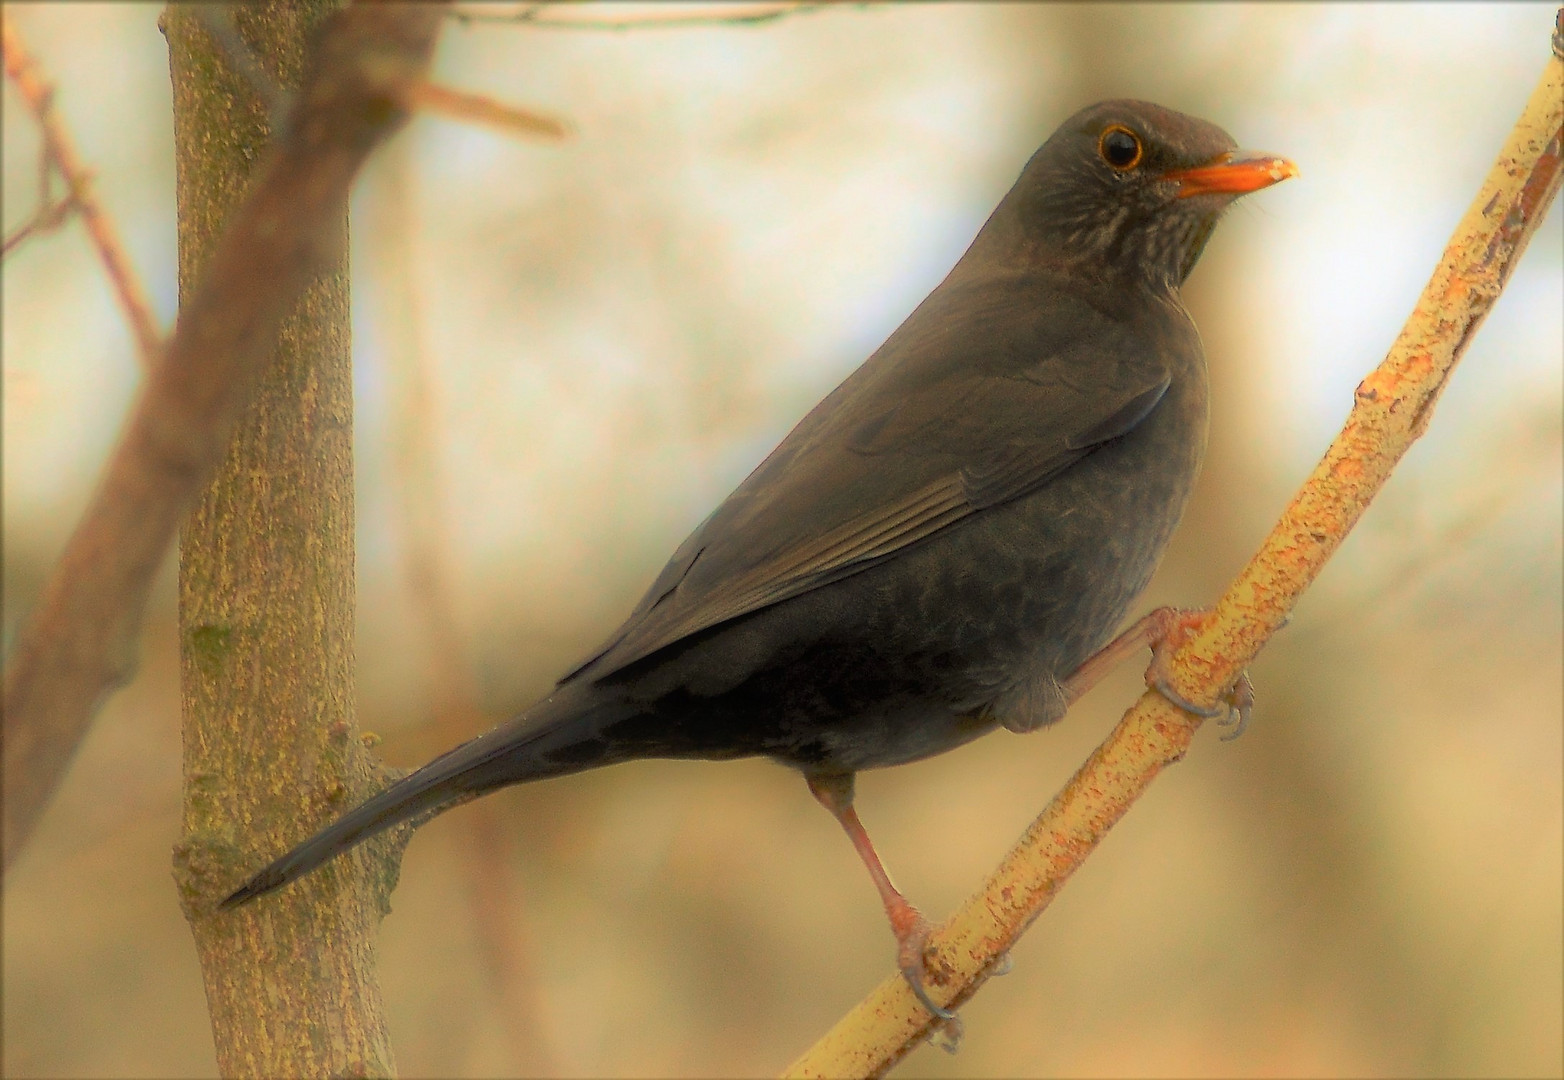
1120,147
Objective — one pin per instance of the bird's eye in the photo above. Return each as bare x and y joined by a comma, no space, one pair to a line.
1120,147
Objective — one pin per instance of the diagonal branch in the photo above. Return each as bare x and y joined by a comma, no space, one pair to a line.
1393,407
79,644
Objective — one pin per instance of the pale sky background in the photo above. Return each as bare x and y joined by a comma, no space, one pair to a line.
623,324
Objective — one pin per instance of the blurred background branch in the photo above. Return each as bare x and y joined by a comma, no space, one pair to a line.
416,438
479,109
59,154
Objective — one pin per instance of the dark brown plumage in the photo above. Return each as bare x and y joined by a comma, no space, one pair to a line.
946,538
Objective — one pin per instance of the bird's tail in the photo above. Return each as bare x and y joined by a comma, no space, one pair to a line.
561,734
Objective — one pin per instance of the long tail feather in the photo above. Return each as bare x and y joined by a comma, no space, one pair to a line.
558,736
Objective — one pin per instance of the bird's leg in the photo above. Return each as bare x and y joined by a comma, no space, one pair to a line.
1164,630
834,791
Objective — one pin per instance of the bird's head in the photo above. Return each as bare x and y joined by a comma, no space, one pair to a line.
1130,189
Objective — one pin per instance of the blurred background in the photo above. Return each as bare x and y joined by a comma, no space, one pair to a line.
567,354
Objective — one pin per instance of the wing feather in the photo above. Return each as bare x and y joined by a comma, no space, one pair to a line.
920,437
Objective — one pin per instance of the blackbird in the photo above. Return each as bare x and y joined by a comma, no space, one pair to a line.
944,544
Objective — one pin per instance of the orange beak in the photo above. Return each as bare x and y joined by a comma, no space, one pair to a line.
1236,173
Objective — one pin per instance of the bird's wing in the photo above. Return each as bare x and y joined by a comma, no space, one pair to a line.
920,437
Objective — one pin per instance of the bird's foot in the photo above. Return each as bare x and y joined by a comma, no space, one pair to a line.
1173,627
912,940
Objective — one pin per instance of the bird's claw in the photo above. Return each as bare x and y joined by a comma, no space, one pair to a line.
1240,704
911,945
1233,708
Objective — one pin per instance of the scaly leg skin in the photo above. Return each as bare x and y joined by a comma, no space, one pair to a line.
1164,630
835,793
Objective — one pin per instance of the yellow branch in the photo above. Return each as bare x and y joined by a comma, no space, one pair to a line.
1392,408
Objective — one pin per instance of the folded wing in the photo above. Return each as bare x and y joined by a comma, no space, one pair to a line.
923,435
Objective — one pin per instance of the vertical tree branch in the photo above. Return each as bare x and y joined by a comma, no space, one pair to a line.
266,561
1392,409
266,613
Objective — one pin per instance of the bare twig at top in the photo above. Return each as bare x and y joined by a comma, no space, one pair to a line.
1392,409
671,16
60,154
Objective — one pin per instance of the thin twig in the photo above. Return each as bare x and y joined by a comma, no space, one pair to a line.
60,151
48,217
1392,409
51,213
537,15
479,109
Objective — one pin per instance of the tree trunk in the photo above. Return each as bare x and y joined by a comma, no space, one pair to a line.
271,750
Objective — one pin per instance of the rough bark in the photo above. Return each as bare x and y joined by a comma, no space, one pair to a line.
271,750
